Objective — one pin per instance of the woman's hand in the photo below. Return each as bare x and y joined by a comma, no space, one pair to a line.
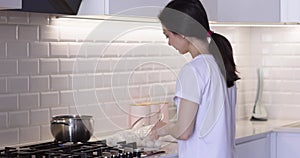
154,133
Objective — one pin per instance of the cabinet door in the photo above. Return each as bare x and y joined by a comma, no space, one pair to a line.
288,145
249,10
259,148
290,10
91,7
211,9
135,7
10,4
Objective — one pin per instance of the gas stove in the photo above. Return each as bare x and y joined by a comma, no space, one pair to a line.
93,149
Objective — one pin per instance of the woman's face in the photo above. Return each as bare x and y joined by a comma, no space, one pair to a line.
177,41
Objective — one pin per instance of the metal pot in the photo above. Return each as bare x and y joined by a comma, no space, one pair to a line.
72,128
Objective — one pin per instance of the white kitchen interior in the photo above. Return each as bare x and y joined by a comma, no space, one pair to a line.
62,65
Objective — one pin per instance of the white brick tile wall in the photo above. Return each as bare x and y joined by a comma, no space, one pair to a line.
67,29
29,101
49,33
17,17
49,66
76,50
29,134
3,17
121,93
85,97
133,92
82,81
111,123
39,116
59,82
168,75
8,32
2,85
79,81
131,62
3,120
17,49
39,83
103,65
94,49
67,98
66,66
105,79
38,18
8,102
28,66
2,50
290,85
112,50
105,95
46,133
114,109
73,110
276,73
8,67
39,49
276,111
28,33
120,79
49,99
59,49
18,84
85,65
18,119
93,110
59,111
9,137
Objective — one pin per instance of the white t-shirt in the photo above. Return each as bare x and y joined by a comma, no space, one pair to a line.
201,81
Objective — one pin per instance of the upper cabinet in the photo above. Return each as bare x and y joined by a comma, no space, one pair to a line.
10,4
149,8
253,10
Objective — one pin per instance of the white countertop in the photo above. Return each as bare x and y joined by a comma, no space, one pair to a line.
246,128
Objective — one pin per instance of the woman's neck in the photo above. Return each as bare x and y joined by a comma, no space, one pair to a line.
198,47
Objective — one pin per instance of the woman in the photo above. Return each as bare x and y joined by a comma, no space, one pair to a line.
205,89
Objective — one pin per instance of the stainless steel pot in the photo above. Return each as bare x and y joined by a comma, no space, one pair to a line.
72,128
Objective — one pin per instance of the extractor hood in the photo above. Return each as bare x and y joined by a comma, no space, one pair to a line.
69,7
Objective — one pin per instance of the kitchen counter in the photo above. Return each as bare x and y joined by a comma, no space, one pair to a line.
248,130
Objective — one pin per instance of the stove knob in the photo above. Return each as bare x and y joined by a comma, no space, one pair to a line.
137,153
106,155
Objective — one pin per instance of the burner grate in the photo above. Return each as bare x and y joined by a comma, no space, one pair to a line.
94,149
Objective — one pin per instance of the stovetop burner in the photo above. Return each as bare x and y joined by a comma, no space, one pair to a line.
94,149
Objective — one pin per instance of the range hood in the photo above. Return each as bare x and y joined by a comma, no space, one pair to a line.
69,7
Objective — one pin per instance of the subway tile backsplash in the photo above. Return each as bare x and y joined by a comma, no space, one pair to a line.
51,66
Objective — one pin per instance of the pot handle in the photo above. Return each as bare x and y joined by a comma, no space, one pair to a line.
59,122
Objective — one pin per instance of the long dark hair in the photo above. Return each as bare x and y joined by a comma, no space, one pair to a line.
189,18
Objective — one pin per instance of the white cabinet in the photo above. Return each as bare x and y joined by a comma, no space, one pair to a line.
150,8
290,10
254,148
253,10
287,145
10,4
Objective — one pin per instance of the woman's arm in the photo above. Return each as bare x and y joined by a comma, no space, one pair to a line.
183,128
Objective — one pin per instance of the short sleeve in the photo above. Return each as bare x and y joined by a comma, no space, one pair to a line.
188,85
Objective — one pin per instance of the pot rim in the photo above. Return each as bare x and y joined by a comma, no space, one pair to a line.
72,116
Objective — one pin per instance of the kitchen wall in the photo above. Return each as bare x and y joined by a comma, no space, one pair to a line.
51,66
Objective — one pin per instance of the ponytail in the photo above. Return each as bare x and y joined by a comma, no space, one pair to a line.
220,45
183,16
